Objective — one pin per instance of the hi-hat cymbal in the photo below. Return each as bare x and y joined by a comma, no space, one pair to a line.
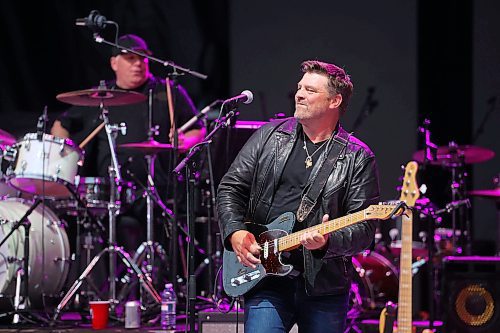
453,156
490,194
108,97
6,139
147,147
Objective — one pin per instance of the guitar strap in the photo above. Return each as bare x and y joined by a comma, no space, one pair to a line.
317,184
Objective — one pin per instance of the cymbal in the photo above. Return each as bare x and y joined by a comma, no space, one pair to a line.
490,194
453,156
108,97
147,147
6,139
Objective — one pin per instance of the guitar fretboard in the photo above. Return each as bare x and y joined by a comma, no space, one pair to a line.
405,276
293,240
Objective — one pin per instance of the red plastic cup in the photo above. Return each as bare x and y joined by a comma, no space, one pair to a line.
99,311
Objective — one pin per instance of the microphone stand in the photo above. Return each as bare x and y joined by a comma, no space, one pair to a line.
176,68
189,165
492,102
165,63
368,106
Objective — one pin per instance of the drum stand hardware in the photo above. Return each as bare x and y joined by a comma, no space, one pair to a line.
23,221
113,209
145,254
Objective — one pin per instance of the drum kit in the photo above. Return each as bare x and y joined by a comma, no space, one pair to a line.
41,179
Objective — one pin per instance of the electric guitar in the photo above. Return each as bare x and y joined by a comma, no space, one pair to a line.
409,195
274,238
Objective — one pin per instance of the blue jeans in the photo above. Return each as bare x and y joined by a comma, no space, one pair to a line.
277,306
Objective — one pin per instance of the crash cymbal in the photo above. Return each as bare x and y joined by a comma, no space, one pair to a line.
6,139
147,147
94,97
490,194
456,155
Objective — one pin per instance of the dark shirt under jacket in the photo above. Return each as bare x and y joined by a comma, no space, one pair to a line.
290,188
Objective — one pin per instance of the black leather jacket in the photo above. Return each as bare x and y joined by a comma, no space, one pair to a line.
246,193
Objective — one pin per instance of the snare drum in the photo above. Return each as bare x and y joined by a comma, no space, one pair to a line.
49,251
95,193
46,166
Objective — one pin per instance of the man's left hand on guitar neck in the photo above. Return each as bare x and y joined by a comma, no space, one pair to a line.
314,240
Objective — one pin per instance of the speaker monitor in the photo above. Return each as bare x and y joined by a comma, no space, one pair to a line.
471,294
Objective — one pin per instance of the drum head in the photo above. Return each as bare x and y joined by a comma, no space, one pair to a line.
48,256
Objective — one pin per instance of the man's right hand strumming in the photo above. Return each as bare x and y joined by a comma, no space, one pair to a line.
246,248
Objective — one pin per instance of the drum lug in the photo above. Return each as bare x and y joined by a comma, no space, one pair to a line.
58,169
27,145
64,260
61,148
24,164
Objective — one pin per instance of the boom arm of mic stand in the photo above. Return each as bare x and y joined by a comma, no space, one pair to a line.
207,140
165,63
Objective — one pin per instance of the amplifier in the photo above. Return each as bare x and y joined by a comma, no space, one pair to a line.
217,322
471,294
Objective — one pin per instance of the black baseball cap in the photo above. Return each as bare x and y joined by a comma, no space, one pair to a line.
132,42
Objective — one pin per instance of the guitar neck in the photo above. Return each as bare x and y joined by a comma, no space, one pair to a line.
291,241
405,275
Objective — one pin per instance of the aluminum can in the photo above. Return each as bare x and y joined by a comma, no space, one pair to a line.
132,314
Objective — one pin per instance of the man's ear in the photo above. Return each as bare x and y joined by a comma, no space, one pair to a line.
112,62
336,101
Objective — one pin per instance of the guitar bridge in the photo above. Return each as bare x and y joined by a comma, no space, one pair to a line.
245,278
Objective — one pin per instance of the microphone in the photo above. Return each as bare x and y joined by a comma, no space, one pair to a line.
94,21
195,118
246,97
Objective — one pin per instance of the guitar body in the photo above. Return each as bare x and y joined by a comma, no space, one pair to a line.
237,278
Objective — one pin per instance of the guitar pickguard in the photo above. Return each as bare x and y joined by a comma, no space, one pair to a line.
237,278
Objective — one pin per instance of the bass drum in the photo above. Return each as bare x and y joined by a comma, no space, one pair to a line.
376,280
48,256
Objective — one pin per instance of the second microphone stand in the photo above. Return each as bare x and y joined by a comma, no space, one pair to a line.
190,171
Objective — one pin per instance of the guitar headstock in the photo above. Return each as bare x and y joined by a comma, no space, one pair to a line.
382,211
409,191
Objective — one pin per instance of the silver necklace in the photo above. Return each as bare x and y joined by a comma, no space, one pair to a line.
309,160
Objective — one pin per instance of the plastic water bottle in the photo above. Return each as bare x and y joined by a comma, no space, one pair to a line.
168,302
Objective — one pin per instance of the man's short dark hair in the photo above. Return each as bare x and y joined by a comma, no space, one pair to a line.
338,80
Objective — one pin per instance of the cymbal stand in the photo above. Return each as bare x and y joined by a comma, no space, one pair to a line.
145,253
458,191
144,256
112,249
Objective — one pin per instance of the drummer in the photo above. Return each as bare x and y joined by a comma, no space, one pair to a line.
132,74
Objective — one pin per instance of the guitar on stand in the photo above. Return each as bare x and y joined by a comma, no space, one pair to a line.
409,195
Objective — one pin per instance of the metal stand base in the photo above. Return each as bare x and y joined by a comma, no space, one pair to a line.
125,257
142,257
